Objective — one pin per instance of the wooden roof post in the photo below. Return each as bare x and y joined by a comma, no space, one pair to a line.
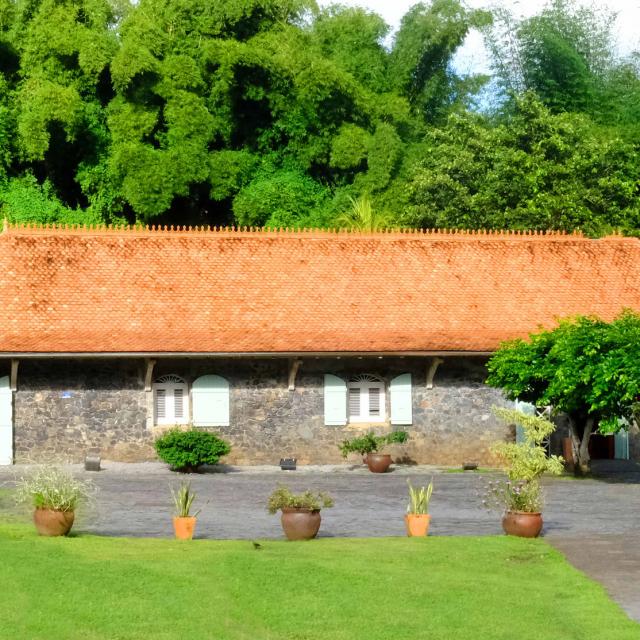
148,376
431,371
294,365
13,380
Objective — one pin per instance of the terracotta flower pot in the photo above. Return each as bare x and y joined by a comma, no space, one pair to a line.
378,462
184,527
300,524
417,524
522,524
51,522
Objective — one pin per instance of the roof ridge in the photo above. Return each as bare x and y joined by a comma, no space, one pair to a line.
25,228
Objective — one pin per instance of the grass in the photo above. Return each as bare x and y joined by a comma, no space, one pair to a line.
493,588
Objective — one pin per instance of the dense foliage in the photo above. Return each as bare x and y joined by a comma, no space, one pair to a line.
371,443
186,451
284,498
278,113
53,488
585,368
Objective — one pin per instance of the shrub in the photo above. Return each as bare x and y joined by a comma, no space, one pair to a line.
524,463
371,443
185,451
282,498
53,488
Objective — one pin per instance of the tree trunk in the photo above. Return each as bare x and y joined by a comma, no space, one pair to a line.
581,444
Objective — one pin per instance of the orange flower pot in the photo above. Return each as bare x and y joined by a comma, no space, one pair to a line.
184,527
522,524
51,522
417,524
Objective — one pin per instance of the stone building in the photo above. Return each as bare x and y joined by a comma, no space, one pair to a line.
283,342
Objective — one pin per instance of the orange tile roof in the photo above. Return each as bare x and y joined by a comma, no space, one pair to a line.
224,291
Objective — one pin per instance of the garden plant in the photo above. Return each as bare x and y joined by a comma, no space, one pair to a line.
520,496
300,517
184,522
186,451
417,518
55,495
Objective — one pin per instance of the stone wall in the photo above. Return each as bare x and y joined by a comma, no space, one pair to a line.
65,408
62,409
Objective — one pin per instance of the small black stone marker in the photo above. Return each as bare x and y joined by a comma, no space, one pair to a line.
288,464
92,461
469,466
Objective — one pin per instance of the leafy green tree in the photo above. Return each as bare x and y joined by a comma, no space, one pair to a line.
567,56
55,62
281,199
421,60
585,368
535,170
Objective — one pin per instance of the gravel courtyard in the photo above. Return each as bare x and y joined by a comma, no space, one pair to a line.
594,522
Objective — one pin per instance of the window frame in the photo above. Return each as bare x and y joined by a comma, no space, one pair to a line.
169,384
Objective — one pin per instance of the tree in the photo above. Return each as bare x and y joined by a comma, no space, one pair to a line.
567,56
59,53
534,170
362,216
421,62
584,368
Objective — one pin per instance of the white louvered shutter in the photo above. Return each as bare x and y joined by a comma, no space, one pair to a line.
210,399
178,404
335,400
401,400
621,441
160,405
6,422
374,402
354,403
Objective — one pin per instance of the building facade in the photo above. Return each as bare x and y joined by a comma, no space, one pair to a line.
284,343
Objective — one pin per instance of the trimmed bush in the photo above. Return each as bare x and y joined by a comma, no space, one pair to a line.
185,451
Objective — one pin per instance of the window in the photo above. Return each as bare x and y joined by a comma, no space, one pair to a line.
170,400
366,399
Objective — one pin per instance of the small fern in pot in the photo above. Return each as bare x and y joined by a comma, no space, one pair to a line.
184,522
417,518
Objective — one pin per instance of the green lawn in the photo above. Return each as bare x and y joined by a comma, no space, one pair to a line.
377,589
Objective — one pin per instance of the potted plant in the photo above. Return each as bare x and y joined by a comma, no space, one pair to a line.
187,451
369,445
300,517
184,522
519,495
417,518
55,495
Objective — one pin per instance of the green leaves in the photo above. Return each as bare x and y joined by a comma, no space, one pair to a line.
283,497
584,367
535,170
188,450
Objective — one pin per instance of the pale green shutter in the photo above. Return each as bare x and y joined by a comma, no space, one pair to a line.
401,401
6,422
210,402
621,441
530,410
335,400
